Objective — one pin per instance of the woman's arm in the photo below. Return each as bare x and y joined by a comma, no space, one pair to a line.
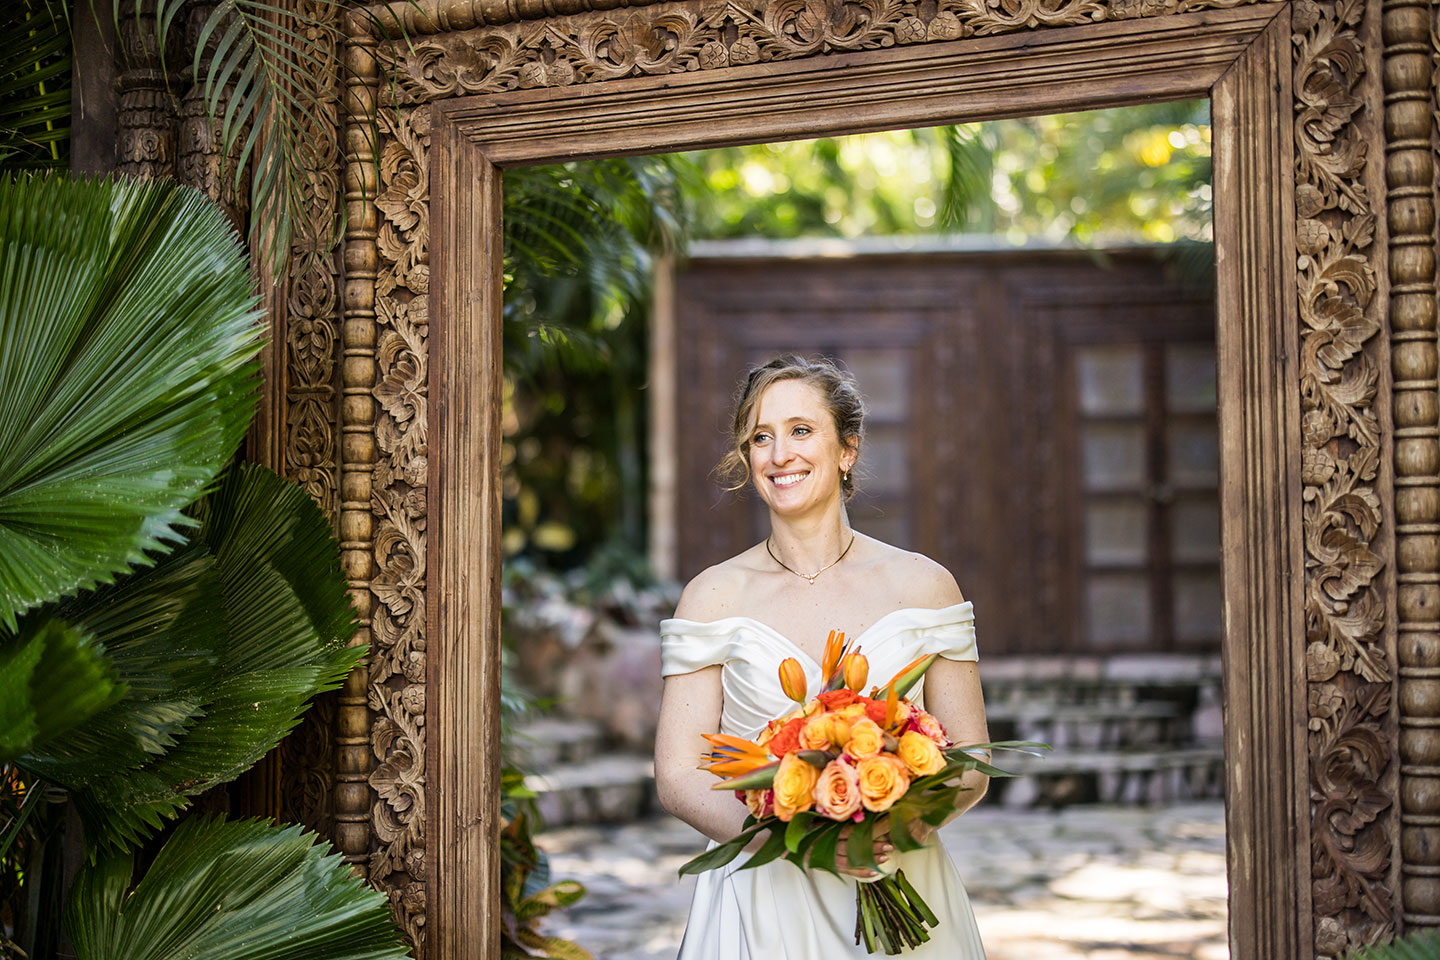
689,707
952,687
952,695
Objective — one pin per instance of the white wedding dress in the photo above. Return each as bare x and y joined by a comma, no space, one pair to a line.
777,912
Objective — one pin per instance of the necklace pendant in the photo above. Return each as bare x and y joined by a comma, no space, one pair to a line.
811,580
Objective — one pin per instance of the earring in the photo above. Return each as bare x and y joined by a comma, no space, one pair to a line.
846,476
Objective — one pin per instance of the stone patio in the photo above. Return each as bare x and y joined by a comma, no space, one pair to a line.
1098,883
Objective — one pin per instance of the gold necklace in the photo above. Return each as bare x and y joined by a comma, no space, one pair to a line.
810,576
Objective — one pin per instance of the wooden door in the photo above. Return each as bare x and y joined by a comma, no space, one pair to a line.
970,365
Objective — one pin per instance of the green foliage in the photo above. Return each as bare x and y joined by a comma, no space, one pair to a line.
266,72
527,894
35,61
1420,945
52,678
228,890
220,645
1137,173
578,247
127,337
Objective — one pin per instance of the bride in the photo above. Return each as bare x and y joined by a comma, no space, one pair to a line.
796,436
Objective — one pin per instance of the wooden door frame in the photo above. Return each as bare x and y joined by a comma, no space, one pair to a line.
422,349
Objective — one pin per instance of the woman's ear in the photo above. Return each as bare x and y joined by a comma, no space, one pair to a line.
851,454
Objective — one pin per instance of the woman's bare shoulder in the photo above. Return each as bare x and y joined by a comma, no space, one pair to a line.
714,592
913,578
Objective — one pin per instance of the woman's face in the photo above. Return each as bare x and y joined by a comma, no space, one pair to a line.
796,456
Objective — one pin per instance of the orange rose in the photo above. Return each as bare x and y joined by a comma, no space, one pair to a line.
818,732
920,754
794,787
787,738
883,780
837,793
931,727
866,739
837,699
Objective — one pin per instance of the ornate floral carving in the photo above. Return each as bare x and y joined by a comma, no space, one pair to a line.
307,768
313,279
1348,665
681,37
397,664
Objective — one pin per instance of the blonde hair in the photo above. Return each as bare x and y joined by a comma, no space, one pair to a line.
837,389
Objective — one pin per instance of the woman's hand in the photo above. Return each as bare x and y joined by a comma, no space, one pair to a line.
882,846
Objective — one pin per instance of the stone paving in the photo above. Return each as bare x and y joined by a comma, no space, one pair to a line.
1098,883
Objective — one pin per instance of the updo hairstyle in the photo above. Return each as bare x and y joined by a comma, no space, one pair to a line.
838,390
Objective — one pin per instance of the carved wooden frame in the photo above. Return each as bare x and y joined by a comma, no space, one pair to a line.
1313,506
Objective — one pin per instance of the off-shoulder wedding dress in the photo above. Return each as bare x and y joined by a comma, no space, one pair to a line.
776,912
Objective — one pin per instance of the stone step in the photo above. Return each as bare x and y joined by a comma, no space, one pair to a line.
605,788
545,742
1111,776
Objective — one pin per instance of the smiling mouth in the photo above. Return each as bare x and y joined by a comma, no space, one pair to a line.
788,479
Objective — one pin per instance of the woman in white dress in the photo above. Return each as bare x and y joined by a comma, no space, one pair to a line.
796,435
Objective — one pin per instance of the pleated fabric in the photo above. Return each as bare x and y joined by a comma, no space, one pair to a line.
777,912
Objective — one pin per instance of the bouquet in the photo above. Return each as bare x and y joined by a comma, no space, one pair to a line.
839,760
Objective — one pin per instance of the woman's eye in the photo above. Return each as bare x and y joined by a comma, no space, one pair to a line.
802,431
760,438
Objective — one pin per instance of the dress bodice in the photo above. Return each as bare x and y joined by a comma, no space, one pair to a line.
750,653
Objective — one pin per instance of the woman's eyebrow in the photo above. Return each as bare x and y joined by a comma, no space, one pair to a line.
766,426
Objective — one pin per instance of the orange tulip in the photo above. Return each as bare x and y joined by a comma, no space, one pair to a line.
856,669
792,679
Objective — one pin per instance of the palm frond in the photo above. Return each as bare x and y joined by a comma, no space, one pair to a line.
221,644
966,198
231,890
269,77
53,677
35,61
127,341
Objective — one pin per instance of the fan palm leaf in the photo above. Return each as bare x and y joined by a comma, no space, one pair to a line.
231,890
127,342
52,679
220,646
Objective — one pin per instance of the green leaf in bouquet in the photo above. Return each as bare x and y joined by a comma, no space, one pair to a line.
771,849
807,840
798,829
725,852
900,816
860,847
822,851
